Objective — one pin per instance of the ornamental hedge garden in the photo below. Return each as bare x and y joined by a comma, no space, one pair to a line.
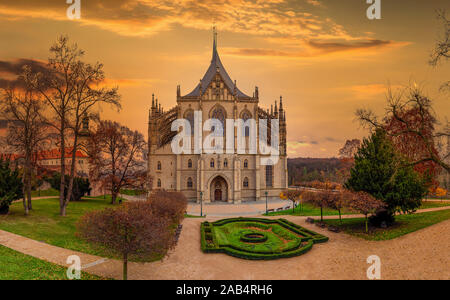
257,238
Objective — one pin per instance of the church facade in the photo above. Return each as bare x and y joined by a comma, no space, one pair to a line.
211,177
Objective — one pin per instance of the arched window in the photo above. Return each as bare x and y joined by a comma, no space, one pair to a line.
269,174
159,183
189,164
245,116
189,115
219,114
245,182
211,163
225,163
189,183
159,166
245,164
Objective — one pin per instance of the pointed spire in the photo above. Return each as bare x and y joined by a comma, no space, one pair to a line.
214,54
281,103
153,100
276,109
271,109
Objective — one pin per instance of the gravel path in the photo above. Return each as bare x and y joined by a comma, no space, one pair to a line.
419,255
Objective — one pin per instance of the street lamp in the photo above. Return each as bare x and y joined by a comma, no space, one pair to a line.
266,201
201,204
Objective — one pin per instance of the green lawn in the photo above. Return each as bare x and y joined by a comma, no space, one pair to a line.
132,192
45,224
45,193
404,224
193,216
17,266
307,210
433,204
310,210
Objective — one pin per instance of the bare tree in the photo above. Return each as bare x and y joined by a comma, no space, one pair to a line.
410,123
117,156
27,131
442,48
87,95
68,85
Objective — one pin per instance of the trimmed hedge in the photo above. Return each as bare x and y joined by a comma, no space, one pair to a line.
302,244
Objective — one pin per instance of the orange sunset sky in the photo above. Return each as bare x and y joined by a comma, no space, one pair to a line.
325,57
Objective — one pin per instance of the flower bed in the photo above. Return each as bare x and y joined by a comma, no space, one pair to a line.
257,238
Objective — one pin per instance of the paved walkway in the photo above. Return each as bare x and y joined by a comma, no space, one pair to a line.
418,255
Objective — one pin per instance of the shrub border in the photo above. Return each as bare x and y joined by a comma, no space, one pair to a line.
209,243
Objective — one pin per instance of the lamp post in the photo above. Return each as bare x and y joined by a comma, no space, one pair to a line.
266,201
201,204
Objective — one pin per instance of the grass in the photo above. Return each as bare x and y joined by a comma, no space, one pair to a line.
433,204
45,193
45,224
307,210
404,224
17,266
132,192
194,216
310,210
278,237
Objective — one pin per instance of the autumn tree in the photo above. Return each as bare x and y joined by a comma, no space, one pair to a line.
346,157
130,231
27,133
117,156
365,204
291,195
171,205
381,172
339,200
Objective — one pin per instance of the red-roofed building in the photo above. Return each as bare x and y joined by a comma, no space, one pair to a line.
51,159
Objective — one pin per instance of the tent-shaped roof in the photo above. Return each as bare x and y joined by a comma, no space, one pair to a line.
215,66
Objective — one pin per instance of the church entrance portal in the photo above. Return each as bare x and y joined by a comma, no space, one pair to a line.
219,189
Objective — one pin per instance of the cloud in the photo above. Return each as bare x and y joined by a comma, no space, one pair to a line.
10,70
316,48
315,3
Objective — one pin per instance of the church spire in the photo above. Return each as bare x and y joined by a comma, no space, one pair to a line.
214,42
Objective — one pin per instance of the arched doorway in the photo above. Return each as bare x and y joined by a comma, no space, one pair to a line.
219,189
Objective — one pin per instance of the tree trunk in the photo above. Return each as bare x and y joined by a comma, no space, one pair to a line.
340,218
25,206
72,167
113,197
62,204
125,267
321,214
27,183
367,228
293,206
